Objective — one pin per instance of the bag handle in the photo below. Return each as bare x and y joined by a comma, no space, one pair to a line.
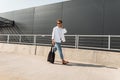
52,47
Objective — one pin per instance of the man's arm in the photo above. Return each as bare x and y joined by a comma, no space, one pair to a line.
53,36
64,30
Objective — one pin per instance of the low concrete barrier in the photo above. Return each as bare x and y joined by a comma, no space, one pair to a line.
7,48
107,58
25,49
111,59
17,49
70,54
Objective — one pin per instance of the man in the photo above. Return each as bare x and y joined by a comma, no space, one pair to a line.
58,37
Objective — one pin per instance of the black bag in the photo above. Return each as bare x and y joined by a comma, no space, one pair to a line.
51,56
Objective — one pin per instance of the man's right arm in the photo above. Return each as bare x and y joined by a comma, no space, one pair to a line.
53,36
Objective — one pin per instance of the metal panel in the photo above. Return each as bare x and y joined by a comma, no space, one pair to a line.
45,18
83,16
24,20
112,17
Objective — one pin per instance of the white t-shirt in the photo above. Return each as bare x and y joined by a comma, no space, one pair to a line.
58,34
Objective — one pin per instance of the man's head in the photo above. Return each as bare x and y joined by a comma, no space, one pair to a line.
59,23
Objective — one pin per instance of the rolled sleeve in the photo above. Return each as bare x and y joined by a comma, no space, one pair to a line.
53,34
64,31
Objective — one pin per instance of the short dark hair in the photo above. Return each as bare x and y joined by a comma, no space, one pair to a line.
59,20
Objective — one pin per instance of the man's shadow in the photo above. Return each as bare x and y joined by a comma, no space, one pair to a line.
83,65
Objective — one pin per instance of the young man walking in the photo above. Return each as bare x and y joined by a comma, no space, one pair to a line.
58,37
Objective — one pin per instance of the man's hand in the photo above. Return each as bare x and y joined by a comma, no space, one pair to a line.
53,42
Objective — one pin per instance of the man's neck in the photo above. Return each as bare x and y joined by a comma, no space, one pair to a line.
59,26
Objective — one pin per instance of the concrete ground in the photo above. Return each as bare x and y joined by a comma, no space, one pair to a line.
28,67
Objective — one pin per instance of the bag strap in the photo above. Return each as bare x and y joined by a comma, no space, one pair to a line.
52,47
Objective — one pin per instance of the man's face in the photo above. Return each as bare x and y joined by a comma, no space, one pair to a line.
59,24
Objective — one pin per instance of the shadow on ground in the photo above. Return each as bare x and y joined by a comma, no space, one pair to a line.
82,65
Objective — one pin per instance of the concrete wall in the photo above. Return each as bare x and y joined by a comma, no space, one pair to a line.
17,49
110,59
106,58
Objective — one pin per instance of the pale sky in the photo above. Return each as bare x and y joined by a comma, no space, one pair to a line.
11,5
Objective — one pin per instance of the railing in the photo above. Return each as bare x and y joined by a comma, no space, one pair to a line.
104,42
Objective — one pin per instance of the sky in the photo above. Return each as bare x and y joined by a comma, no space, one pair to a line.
11,5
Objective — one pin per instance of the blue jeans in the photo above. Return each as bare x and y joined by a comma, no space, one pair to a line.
58,47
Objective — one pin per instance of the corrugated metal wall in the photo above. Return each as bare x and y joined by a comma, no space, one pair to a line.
79,17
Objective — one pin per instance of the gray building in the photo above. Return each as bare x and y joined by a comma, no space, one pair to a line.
79,17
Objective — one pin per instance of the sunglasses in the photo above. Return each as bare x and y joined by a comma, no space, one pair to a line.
58,23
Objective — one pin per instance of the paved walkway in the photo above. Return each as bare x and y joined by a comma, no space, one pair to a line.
24,67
